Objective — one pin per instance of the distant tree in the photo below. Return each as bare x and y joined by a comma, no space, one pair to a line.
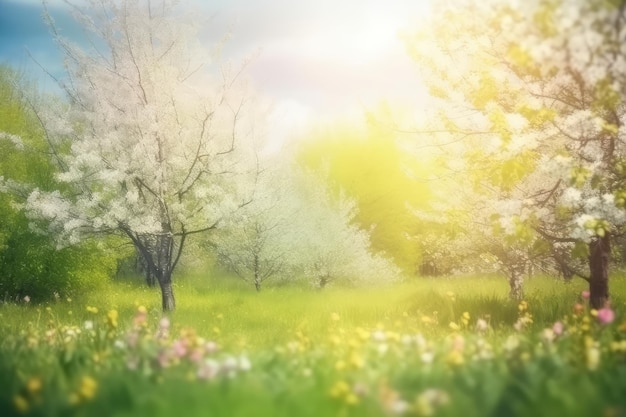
329,244
154,138
253,242
294,226
369,165
531,95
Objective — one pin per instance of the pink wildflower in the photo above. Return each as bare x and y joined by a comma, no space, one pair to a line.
179,348
558,328
585,295
578,308
606,315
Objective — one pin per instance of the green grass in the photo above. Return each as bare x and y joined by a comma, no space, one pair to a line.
307,345
272,316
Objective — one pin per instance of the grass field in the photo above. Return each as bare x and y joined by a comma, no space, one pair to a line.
446,346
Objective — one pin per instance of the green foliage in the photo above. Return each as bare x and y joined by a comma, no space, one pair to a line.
30,263
370,167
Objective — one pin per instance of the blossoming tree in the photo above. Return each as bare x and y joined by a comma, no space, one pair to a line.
155,137
532,97
294,227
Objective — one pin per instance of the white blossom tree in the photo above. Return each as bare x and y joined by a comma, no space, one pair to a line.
254,241
532,97
154,139
292,227
328,243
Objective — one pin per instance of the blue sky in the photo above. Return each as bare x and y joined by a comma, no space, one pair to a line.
317,58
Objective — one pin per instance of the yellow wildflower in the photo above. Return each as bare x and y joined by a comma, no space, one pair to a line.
352,399
112,318
455,358
356,360
339,389
20,403
34,385
88,387
93,310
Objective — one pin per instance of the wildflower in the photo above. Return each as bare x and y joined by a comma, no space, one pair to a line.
511,343
356,360
522,306
20,403
593,357
34,385
339,389
578,308
88,325
391,400
454,326
585,295
458,343
179,348
26,299
379,336
481,325
88,387
93,310
618,346
548,335
606,315
140,319
208,370
244,363
428,401
112,318
558,328
230,366
465,318
164,324
351,398
427,357
455,357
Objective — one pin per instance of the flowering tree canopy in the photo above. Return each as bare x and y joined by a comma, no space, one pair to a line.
294,226
533,94
154,139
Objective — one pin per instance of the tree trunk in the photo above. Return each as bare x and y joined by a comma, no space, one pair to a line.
516,284
167,294
257,277
599,256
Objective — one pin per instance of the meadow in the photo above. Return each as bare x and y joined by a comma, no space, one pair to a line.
445,346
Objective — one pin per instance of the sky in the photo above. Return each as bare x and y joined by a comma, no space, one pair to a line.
315,60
